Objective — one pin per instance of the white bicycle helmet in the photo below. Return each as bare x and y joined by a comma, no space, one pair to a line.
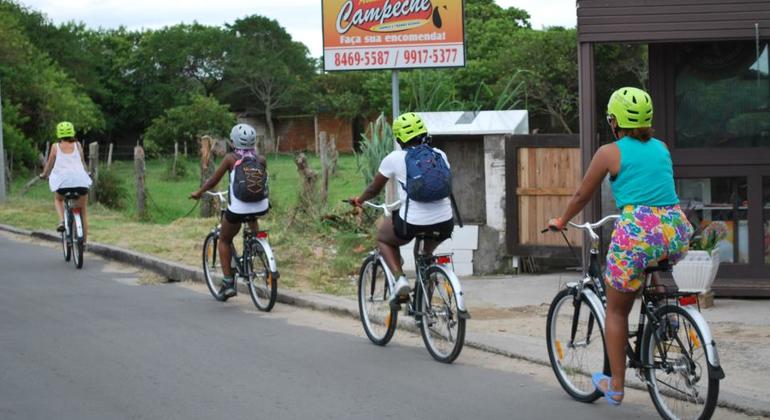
243,136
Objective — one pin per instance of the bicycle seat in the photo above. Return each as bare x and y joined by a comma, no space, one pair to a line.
662,266
71,195
428,235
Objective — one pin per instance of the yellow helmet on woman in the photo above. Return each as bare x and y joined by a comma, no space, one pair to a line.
65,130
631,107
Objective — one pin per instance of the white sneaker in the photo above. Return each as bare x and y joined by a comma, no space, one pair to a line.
400,291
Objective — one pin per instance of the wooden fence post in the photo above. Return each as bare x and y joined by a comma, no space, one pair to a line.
207,170
93,167
185,148
176,157
109,157
141,193
307,177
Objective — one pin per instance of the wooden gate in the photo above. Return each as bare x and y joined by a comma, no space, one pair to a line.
542,174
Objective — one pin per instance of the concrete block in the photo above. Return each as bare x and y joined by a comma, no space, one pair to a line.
466,237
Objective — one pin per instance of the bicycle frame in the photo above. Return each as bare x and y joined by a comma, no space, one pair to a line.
72,214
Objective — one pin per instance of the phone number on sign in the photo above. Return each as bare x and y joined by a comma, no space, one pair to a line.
357,58
432,56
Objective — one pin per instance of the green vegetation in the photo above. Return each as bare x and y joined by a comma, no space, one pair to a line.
312,254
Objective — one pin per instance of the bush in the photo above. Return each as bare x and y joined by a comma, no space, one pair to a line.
182,169
111,190
203,116
376,144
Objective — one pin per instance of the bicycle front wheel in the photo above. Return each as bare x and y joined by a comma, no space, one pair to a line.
575,344
443,331
212,266
378,318
678,377
263,287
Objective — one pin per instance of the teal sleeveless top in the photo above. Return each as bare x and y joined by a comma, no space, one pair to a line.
646,176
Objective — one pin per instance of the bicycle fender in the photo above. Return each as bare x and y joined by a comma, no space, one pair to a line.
269,254
596,304
711,346
459,295
78,224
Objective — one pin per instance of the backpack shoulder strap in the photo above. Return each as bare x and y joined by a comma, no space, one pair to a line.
456,210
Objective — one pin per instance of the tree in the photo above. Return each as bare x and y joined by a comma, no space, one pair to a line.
204,115
268,65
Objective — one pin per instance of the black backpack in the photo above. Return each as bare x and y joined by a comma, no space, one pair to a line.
250,180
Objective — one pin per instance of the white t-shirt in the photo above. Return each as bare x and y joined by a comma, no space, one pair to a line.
421,214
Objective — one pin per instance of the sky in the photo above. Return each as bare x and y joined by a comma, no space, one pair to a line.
301,18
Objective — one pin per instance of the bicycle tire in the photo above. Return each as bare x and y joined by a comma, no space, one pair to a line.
212,267
442,340
575,380
66,247
674,335
263,298
373,283
77,242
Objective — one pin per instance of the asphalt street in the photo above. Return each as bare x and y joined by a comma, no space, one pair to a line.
98,344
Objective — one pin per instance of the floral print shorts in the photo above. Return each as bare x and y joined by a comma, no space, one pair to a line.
643,236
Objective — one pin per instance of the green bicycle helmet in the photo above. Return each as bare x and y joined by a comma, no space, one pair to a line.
631,107
408,126
65,130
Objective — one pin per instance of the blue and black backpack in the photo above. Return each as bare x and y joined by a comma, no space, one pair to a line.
428,177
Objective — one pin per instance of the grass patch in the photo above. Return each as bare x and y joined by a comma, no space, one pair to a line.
320,255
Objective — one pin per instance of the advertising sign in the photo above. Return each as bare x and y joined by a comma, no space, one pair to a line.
392,34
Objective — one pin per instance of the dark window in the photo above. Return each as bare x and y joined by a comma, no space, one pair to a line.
723,94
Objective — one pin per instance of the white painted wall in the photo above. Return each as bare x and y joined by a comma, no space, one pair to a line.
462,244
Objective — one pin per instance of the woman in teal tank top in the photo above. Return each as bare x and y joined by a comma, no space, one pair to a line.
651,228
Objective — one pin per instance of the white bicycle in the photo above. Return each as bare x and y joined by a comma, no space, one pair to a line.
436,301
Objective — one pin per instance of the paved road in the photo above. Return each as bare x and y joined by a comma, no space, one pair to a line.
91,344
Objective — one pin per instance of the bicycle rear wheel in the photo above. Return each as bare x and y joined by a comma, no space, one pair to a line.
77,241
575,356
66,247
263,287
443,331
679,379
378,318
212,266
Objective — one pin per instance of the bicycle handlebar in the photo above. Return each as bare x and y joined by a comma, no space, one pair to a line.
591,226
386,208
222,195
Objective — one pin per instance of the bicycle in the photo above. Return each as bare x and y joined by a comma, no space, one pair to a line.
436,302
670,331
72,240
256,265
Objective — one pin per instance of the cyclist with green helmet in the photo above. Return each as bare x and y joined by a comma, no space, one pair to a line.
66,172
652,227
423,217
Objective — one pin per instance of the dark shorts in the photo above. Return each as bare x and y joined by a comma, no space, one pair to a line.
76,190
407,231
237,219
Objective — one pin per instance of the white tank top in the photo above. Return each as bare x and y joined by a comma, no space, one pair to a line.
68,171
239,207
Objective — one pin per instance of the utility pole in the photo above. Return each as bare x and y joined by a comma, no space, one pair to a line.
390,187
2,151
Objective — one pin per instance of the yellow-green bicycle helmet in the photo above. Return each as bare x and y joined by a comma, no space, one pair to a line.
408,126
65,130
631,107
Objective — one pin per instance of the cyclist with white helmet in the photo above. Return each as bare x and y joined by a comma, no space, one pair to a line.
66,172
247,195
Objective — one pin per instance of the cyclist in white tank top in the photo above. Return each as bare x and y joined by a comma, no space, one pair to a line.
244,139
66,172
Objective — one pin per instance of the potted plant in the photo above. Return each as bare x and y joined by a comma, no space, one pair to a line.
698,269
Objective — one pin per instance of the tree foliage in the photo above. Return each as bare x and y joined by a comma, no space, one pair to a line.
204,115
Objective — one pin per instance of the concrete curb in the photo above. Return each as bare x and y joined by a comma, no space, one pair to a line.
338,306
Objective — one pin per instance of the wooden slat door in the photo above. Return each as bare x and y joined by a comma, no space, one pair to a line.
547,179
